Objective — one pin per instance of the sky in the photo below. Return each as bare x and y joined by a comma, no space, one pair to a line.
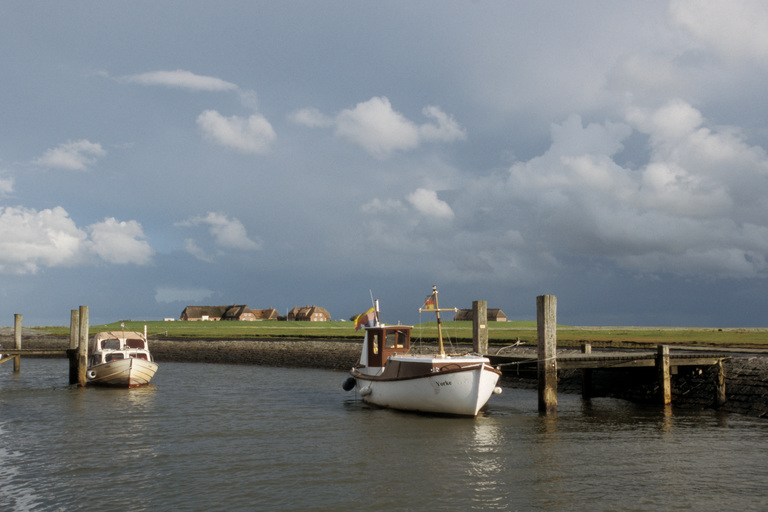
159,154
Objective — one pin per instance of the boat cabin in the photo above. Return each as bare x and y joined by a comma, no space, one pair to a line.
386,341
108,347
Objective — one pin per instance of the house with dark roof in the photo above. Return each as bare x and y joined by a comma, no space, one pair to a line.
308,314
494,315
233,312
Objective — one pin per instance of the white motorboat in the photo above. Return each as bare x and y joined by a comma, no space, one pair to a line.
120,359
388,375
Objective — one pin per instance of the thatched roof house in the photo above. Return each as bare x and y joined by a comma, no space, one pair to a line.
308,314
494,315
233,312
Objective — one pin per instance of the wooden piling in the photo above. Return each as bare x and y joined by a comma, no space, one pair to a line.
82,348
662,367
586,373
480,326
74,341
546,314
719,384
17,341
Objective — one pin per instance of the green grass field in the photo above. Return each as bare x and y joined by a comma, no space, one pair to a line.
500,333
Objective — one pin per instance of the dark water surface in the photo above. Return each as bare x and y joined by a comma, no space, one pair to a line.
243,438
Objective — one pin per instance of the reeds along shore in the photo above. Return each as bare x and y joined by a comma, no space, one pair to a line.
746,376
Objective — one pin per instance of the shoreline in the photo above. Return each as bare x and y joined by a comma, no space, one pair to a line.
746,374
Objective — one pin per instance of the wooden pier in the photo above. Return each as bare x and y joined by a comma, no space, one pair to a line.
548,362
77,351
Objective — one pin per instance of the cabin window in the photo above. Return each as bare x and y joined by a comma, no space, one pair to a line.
138,355
134,343
110,345
113,357
375,343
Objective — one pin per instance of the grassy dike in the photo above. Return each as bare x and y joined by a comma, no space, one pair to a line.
499,333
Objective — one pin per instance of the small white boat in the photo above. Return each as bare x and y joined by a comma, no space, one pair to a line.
120,359
388,375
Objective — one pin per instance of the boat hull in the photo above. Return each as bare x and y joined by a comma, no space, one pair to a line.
124,373
462,391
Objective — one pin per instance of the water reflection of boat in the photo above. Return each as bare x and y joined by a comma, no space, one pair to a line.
388,375
120,359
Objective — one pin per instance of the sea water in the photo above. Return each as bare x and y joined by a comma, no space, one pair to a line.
206,437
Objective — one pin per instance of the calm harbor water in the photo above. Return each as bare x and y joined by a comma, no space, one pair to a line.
245,438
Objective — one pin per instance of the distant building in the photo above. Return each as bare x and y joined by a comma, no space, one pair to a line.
233,312
308,314
494,315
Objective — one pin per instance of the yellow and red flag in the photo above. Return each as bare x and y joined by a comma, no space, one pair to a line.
366,319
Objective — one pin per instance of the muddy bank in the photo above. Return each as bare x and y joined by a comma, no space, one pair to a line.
328,355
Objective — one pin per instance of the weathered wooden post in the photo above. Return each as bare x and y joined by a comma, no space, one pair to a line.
17,341
74,341
719,384
662,367
82,348
480,326
546,314
586,373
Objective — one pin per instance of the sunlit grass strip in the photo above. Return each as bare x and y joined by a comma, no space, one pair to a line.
500,333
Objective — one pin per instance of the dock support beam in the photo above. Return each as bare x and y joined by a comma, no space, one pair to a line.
480,326
17,341
586,373
546,314
662,367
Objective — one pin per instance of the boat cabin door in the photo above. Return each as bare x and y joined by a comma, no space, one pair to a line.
384,342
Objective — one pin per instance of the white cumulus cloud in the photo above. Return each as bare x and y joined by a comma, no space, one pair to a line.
427,203
380,130
253,134
74,156
31,239
120,242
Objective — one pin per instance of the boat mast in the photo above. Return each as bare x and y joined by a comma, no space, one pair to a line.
439,323
434,307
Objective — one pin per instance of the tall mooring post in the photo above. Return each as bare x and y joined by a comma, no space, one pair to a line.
74,341
480,326
662,368
17,341
82,347
586,373
546,315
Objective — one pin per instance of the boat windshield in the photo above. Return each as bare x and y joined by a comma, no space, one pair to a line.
134,343
112,344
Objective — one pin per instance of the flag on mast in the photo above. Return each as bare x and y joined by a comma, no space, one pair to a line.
429,303
367,319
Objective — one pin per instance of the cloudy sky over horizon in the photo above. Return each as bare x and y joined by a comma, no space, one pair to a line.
155,155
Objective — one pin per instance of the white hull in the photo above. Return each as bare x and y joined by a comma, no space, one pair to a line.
126,373
458,392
